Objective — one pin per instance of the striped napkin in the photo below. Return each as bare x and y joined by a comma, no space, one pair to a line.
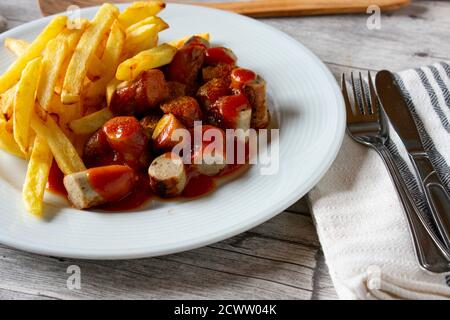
359,218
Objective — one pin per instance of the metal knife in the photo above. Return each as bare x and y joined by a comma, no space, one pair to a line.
401,118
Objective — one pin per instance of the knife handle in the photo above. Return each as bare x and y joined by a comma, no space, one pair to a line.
436,194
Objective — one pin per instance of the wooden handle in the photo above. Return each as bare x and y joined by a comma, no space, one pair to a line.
256,8
304,7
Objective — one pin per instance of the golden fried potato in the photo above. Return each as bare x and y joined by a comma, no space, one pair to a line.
139,11
12,75
24,101
7,102
65,154
145,60
178,43
95,91
160,23
92,122
16,46
7,142
111,89
84,52
54,56
141,39
37,176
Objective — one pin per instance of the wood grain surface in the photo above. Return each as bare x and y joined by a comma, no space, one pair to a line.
280,259
257,8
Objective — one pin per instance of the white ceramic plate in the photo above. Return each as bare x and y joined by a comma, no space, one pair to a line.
305,101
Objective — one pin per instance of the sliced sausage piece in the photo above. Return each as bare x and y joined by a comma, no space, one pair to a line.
97,151
186,109
167,175
100,185
241,76
163,135
209,158
176,90
146,92
231,112
186,66
149,124
211,91
126,137
217,55
255,91
222,70
196,40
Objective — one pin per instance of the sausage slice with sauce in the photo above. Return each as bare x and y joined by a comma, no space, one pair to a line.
100,185
168,176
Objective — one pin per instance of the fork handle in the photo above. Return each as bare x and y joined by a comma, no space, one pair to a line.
432,255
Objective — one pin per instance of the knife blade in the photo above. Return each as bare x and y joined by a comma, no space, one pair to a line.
399,114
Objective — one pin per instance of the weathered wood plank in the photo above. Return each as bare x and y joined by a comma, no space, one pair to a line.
275,260
346,41
205,273
14,295
322,285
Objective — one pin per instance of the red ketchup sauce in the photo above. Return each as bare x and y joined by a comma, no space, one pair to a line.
198,185
230,107
219,55
55,180
112,182
141,194
241,76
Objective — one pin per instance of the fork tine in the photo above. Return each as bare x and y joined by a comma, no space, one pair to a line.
363,95
373,95
358,109
348,105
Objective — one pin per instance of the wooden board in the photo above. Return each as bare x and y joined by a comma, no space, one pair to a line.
260,8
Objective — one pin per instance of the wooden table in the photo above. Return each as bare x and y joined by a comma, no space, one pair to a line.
281,259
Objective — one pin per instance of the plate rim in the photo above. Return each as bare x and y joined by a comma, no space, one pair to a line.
202,241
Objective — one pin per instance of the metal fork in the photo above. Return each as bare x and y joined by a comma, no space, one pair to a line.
367,124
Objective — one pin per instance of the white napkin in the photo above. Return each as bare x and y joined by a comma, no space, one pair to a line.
361,224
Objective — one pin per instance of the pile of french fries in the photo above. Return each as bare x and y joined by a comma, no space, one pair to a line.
57,91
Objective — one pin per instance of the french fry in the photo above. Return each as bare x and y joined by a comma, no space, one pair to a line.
24,101
65,154
160,23
91,123
142,38
95,92
178,43
37,176
71,37
16,46
96,68
146,60
139,11
7,102
65,114
12,75
111,89
52,62
86,48
7,142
